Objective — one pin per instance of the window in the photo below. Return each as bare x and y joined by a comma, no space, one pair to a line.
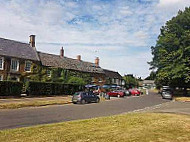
1,77
1,63
48,73
14,78
28,66
14,65
100,80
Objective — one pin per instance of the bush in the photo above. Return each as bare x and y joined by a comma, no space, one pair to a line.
76,80
10,88
44,88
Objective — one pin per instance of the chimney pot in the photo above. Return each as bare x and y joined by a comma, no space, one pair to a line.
79,57
32,41
62,52
97,60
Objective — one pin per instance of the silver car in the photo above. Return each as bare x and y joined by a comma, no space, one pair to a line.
167,94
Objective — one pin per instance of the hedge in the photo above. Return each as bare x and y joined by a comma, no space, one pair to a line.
10,88
44,88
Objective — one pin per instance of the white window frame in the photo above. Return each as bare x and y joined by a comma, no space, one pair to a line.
1,77
100,79
17,64
30,66
2,68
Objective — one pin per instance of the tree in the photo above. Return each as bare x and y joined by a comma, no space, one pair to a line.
171,54
130,81
152,76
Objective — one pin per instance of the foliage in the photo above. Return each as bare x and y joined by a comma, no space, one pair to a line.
76,80
59,75
152,76
10,88
130,81
47,88
171,54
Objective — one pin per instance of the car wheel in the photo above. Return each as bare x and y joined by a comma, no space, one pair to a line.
74,102
83,101
97,100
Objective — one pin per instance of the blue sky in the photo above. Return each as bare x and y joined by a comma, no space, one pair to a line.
119,32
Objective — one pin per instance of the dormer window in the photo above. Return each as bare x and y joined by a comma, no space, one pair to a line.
1,63
28,66
14,65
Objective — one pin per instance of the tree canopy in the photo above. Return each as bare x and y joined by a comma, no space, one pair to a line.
171,54
130,81
152,76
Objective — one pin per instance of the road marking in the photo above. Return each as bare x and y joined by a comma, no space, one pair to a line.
149,108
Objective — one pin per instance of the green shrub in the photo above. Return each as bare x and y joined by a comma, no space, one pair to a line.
77,80
10,88
46,88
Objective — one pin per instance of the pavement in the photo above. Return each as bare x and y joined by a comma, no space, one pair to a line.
170,107
59,113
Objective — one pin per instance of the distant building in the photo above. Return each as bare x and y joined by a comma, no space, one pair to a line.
113,78
148,84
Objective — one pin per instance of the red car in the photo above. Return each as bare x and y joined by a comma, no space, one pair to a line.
116,93
134,92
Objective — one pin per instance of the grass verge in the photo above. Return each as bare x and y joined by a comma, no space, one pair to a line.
133,127
182,99
38,103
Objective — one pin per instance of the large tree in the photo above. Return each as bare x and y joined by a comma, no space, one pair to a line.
171,54
130,81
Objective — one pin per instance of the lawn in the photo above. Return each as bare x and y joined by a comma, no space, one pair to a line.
132,127
38,103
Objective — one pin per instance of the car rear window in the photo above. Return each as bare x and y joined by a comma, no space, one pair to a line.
166,90
76,94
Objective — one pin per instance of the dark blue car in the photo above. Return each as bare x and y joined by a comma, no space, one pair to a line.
85,97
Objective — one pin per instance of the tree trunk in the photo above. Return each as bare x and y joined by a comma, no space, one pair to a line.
185,91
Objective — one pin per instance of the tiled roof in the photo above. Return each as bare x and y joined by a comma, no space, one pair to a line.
17,49
112,74
51,60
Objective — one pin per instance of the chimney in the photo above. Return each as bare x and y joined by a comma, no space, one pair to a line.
62,53
79,57
32,41
97,61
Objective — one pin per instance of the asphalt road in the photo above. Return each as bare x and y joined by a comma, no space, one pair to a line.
42,115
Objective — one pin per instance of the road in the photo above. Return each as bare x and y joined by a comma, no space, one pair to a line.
51,114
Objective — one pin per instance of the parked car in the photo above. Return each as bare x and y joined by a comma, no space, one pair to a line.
116,93
127,93
85,97
134,92
167,93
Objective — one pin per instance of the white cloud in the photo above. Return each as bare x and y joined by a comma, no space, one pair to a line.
103,28
171,6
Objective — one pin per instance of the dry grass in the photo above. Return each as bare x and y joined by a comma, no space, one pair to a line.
133,127
182,99
37,103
